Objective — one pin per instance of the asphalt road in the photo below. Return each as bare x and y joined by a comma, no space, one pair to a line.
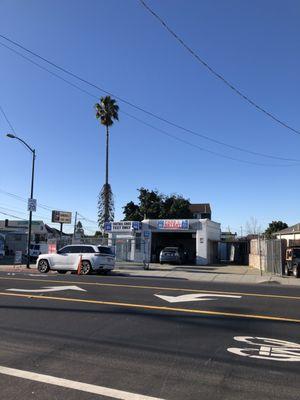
117,338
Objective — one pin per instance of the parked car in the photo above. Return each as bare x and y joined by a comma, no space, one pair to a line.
171,255
36,250
292,261
94,258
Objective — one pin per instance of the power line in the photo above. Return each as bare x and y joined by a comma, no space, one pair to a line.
86,219
210,151
153,115
47,208
10,215
215,73
7,120
15,196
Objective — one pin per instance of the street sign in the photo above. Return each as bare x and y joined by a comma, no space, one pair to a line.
18,257
61,217
31,206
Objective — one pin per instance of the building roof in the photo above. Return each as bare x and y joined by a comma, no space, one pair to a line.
55,231
200,208
290,230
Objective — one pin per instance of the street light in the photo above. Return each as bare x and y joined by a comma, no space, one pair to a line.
11,136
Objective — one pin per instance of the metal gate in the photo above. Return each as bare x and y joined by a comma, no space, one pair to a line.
272,253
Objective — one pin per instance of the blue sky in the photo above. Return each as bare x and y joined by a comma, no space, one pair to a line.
117,45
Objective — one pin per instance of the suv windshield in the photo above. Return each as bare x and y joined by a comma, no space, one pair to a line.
105,250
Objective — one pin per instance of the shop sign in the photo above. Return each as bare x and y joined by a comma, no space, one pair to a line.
62,217
122,226
173,224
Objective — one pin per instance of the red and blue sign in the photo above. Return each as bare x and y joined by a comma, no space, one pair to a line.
173,224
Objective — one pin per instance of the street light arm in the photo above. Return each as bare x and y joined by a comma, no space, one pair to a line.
27,145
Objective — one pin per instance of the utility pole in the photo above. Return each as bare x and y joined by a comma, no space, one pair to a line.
241,231
11,136
75,223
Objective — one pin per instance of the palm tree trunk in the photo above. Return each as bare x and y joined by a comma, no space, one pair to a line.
106,194
107,148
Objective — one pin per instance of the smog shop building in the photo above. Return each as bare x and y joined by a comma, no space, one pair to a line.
143,241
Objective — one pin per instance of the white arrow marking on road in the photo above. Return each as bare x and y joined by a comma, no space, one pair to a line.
48,289
195,297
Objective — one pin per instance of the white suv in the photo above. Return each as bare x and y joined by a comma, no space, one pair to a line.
94,258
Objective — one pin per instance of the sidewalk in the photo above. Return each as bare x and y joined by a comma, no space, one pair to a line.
213,273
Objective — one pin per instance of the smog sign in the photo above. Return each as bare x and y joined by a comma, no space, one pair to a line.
122,226
62,217
173,224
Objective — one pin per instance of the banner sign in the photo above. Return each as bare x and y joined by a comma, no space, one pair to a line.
62,217
122,226
52,246
18,257
173,224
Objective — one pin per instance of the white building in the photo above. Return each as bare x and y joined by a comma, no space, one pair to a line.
144,240
290,234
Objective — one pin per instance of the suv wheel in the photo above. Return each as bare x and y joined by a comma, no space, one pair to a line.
286,270
296,271
43,266
86,268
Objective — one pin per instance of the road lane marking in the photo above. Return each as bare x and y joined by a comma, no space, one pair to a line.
158,308
267,349
48,289
274,296
66,383
195,297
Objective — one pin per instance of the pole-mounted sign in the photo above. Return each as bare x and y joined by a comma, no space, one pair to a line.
31,205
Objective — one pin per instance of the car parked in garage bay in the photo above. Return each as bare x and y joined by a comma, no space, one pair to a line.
171,255
94,258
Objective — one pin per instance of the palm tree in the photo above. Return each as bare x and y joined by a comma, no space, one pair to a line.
106,112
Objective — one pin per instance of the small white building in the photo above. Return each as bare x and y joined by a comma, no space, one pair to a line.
144,240
290,234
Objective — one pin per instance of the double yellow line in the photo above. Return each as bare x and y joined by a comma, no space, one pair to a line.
63,282
156,308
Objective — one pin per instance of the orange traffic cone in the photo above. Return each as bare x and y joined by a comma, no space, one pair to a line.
79,265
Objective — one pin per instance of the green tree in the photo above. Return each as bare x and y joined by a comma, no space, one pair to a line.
154,205
175,206
132,212
274,227
106,112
